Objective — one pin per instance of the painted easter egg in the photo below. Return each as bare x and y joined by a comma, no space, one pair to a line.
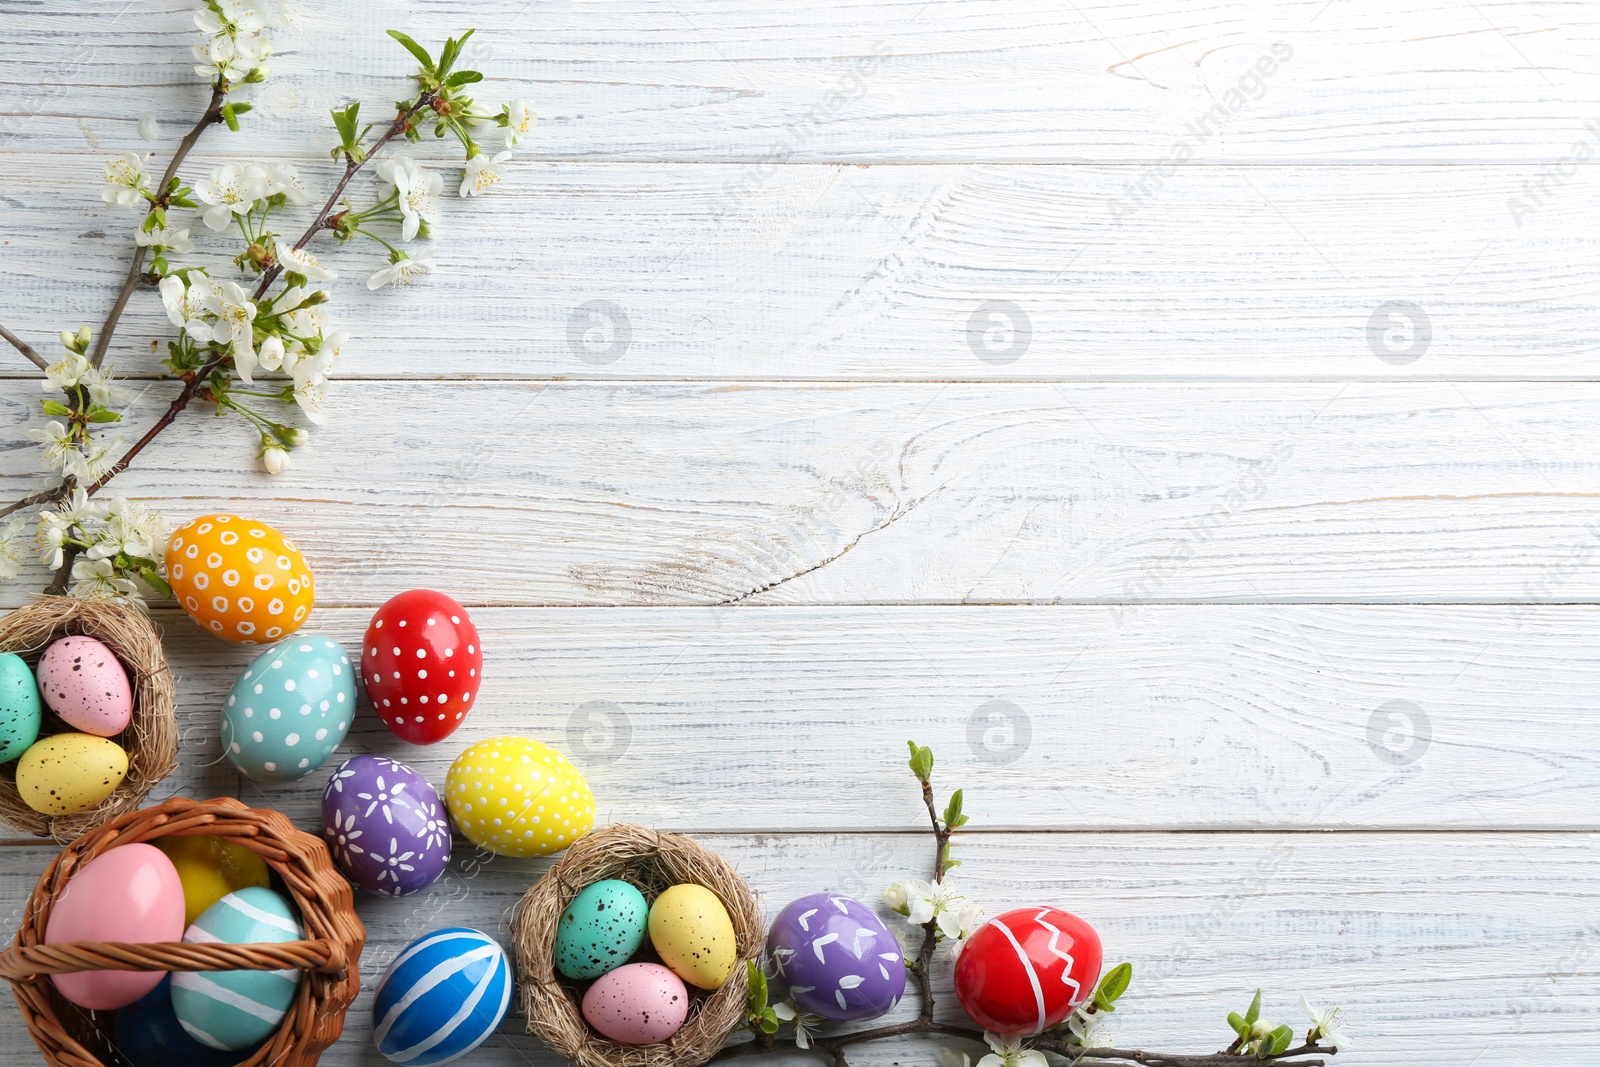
240,579
1023,972
601,929
637,1004
235,1009
84,683
290,709
21,711
67,773
837,958
441,997
422,663
691,932
518,797
210,868
147,1034
385,826
128,893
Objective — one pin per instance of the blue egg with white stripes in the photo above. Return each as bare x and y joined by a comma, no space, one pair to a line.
236,1009
441,997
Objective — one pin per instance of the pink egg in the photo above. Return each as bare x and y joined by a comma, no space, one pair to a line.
130,893
83,682
637,1004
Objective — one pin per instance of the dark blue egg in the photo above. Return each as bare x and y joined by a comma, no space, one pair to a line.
148,1034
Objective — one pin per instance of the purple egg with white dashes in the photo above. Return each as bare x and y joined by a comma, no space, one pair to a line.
836,958
385,826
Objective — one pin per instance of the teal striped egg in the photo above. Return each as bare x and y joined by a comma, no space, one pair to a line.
235,1009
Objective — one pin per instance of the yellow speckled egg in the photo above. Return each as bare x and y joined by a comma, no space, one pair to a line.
64,773
693,935
210,868
518,797
238,578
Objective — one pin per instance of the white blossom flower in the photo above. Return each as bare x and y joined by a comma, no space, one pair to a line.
306,322
481,172
418,190
186,304
58,440
1326,1024
56,525
132,528
274,459
270,355
102,389
97,579
310,393
11,547
302,262
125,180
1089,1029
1008,1052
923,902
234,40
519,120
86,463
235,317
161,238
805,1024
66,372
231,190
283,178
402,271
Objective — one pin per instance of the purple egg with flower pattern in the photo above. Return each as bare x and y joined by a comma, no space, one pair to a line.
837,958
385,826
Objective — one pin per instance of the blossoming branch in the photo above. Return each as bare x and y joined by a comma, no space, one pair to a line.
255,337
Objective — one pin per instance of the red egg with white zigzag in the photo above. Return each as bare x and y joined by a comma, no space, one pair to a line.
421,663
1023,972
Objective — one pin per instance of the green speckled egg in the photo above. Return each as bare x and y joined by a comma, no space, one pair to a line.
20,710
602,927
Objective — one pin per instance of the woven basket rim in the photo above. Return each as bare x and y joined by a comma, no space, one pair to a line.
151,739
623,850
323,898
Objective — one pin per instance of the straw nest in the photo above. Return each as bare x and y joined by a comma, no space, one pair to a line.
151,739
70,1036
652,861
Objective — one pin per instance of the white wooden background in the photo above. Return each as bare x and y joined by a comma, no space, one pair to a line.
1273,657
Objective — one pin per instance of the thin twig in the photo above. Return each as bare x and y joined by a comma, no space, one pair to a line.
212,116
27,350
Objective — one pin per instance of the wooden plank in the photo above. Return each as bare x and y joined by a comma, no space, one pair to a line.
656,493
1182,717
765,82
910,272
1438,945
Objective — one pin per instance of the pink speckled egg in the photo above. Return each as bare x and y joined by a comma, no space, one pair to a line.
637,1004
128,893
83,682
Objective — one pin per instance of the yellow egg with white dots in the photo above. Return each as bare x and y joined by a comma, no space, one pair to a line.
518,797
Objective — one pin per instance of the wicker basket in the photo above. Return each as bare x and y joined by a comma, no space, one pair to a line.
652,861
151,739
69,1035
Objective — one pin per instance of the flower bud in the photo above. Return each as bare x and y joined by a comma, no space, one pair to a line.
84,336
68,341
274,460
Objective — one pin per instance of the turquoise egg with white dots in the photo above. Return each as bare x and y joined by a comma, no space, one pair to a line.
236,1009
290,709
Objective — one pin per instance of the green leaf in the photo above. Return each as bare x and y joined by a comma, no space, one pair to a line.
1255,1010
1236,1021
1113,985
769,1022
1281,1037
229,118
921,761
103,415
56,407
415,49
952,810
152,578
463,77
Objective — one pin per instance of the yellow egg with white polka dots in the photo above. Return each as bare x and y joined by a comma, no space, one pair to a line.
518,797
238,578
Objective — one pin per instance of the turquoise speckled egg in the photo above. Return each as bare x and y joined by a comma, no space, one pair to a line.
235,1009
20,710
290,709
601,929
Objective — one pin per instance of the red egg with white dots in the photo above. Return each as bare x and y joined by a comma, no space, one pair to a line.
422,663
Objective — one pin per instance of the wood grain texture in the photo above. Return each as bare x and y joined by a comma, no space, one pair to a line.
1181,717
925,80
660,493
1439,945
908,272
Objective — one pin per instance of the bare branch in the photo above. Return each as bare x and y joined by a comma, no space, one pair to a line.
26,349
